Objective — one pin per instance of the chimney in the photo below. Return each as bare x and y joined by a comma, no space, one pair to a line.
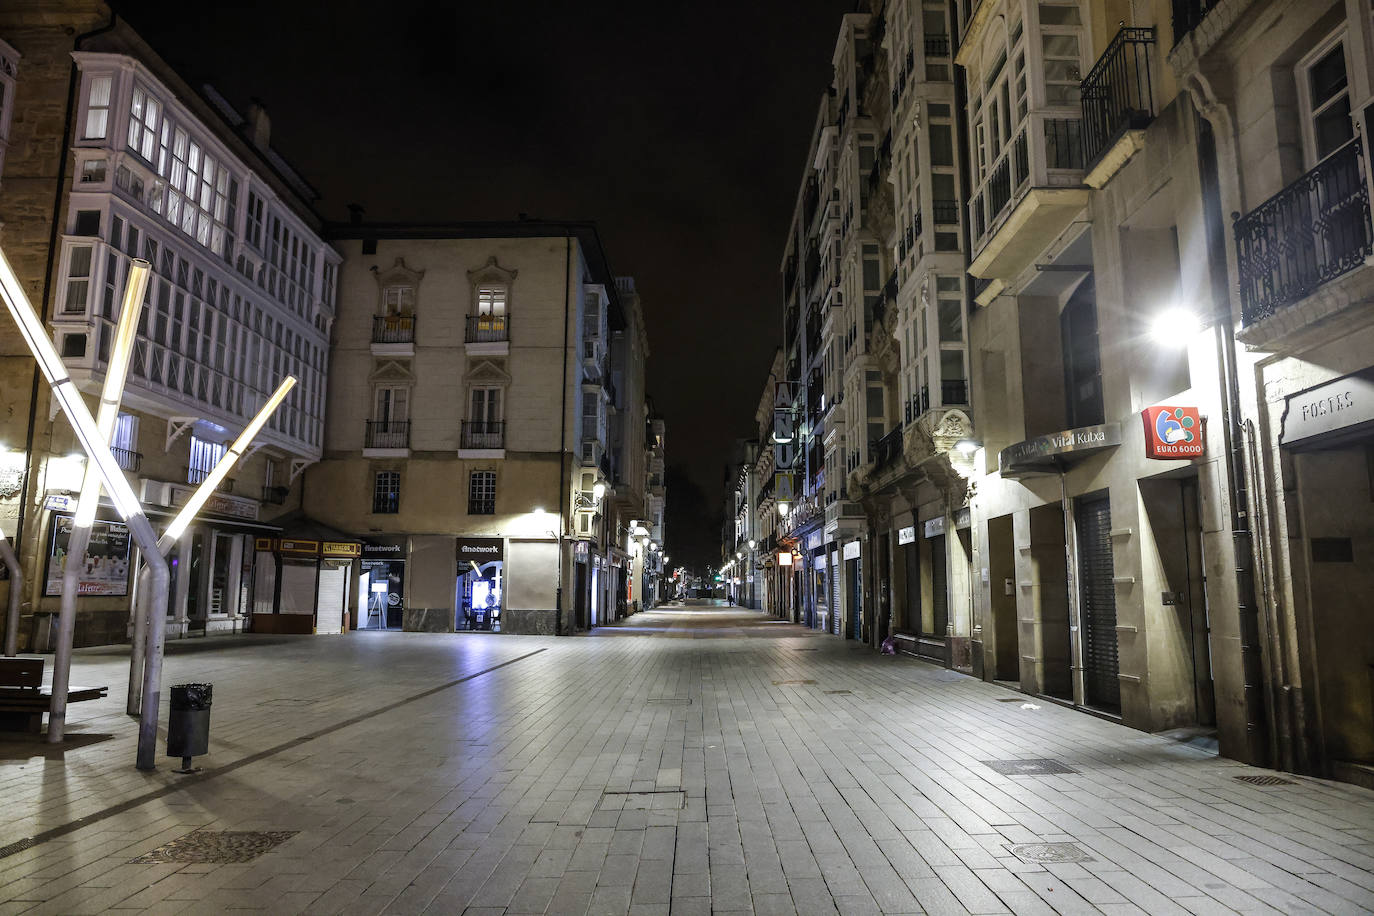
259,124
355,214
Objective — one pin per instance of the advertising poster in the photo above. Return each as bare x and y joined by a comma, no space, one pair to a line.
106,566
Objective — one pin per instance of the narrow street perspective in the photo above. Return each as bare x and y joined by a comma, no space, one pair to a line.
791,456
694,759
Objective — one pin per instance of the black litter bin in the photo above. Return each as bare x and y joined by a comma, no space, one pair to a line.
188,722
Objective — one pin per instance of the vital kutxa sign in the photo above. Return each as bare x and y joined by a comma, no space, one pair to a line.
1173,432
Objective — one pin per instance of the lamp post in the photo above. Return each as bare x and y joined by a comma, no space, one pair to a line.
112,392
98,453
143,620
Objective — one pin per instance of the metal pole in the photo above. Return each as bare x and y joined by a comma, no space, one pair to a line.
97,450
139,640
116,373
152,665
11,562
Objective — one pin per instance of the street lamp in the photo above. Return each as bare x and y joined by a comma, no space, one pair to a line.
967,447
1174,327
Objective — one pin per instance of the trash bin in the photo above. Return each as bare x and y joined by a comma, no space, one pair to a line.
188,722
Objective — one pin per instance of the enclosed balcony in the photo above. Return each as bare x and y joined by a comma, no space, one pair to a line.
1028,195
1118,103
1308,234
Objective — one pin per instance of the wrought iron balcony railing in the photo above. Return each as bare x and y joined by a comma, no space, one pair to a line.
487,329
937,46
126,459
886,449
1311,232
484,434
1118,94
1188,14
954,391
195,476
387,434
391,329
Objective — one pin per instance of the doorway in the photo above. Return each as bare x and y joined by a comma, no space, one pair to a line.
580,602
480,592
195,601
381,595
1001,559
1097,596
1048,576
854,592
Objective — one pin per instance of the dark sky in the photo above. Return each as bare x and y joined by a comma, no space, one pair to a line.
681,128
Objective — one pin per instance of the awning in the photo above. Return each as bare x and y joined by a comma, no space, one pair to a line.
1049,454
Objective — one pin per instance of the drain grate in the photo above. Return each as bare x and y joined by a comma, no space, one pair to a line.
657,800
289,701
1029,767
791,683
1010,700
216,847
669,701
805,648
1266,780
839,693
1050,853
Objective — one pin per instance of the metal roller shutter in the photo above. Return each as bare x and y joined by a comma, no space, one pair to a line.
333,593
1097,598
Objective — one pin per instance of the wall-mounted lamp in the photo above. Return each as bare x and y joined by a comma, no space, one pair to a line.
968,446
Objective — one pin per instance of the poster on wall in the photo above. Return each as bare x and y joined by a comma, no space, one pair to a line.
106,567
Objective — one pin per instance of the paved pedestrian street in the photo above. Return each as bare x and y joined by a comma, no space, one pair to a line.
692,760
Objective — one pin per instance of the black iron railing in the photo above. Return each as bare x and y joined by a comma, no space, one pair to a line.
1117,93
999,187
886,449
388,329
197,476
126,459
937,46
945,211
484,434
1188,14
1063,143
1312,231
387,434
954,391
487,329
274,495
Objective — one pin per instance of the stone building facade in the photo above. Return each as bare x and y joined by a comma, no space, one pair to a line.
485,435
109,155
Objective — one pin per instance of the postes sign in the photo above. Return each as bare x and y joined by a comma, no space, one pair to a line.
1172,432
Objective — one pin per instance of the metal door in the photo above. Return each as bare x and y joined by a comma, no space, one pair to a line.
939,589
1097,601
836,617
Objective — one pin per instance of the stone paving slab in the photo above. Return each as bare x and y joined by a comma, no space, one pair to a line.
431,773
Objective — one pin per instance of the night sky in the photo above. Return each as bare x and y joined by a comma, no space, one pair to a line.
681,129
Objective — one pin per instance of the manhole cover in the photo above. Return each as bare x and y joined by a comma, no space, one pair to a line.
842,693
658,800
1030,767
1267,780
791,683
1048,853
669,701
216,847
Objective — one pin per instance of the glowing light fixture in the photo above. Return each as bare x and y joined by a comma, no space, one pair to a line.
784,508
753,543
225,464
63,389
968,446
598,491
1174,327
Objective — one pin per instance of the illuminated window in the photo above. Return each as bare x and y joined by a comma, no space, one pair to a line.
204,456
78,280
491,308
143,117
98,107
398,300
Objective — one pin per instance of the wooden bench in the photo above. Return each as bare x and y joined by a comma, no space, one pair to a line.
23,699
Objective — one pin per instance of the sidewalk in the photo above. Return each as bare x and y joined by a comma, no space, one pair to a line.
757,767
